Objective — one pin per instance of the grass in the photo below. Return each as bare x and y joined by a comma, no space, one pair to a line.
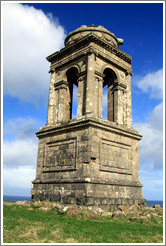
22,225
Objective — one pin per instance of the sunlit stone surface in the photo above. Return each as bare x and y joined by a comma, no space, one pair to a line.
89,160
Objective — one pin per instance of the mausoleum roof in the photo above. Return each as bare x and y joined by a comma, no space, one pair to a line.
100,31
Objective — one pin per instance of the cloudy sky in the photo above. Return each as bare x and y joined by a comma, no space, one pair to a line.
33,31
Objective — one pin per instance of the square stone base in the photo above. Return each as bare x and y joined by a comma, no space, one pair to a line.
89,162
88,194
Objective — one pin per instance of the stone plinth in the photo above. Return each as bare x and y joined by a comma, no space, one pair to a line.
88,161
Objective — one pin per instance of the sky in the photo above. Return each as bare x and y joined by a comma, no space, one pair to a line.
31,32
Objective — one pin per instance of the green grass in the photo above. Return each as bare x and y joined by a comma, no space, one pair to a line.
33,226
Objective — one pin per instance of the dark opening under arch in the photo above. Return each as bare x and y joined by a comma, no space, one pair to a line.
109,79
71,78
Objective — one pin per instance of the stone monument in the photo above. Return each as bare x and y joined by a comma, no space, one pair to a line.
89,160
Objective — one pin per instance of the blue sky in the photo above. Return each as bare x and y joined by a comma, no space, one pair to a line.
32,31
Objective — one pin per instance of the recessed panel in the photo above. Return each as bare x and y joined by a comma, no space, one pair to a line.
115,157
60,155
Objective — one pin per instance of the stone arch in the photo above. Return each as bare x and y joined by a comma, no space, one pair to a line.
70,77
110,79
76,66
108,66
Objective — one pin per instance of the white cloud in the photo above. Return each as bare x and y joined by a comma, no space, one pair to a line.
20,143
151,146
18,177
21,128
151,83
28,37
156,118
20,153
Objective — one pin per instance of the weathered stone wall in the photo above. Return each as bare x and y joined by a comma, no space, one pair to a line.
94,60
95,159
89,160
114,152
102,195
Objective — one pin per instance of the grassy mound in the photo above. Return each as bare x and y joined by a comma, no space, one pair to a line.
31,224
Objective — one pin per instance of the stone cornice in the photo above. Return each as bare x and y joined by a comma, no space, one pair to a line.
89,38
88,180
83,51
88,122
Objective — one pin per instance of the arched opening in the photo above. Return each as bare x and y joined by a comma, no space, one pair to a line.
74,101
105,102
72,92
108,94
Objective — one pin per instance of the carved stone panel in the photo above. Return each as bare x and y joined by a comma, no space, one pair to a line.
115,157
60,155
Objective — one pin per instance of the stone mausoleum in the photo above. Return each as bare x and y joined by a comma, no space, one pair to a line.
88,160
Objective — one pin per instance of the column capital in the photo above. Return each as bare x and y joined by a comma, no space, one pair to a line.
101,75
61,85
81,76
119,86
99,79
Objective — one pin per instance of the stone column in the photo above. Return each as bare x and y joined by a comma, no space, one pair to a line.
98,96
68,103
80,100
51,101
56,106
90,81
118,91
128,120
110,105
61,89
100,107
